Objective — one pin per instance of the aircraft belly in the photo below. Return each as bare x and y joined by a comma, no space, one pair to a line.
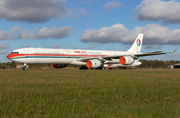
45,60
22,60
51,60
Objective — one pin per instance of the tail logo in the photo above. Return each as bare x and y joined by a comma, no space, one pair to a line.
138,42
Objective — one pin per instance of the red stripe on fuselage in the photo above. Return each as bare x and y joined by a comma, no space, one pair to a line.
18,55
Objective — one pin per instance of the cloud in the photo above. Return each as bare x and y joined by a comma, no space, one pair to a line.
111,5
9,35
44,33
153,47
154,34
26,46
4,58
87,2
15,30
77,13
155,10
4,46
3,52
105,34
31,10
4,35
56,33
54,46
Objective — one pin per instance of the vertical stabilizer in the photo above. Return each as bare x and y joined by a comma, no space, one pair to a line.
136,47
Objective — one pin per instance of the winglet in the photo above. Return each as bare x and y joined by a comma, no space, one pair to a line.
174,50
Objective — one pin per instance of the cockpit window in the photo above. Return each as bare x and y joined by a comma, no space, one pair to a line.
15,53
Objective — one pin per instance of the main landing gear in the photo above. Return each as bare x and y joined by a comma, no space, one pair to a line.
83,68
100,68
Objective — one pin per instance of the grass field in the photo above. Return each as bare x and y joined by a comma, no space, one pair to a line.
90,93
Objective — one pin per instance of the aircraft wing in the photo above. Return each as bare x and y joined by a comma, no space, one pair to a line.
118,56
153,53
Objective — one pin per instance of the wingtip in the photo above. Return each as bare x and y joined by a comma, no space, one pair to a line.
174,50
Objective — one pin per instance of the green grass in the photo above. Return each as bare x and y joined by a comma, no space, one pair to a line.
90,93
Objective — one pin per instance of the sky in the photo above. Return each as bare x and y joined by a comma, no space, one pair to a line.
90,24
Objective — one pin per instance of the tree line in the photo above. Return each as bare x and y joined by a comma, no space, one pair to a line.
157,63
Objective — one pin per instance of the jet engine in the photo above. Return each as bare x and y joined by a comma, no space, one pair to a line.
126,60
106,66
60,65
93,63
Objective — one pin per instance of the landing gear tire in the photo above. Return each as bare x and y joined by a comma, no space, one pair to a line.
24,68
83,68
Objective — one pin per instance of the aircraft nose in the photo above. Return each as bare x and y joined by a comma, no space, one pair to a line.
8,56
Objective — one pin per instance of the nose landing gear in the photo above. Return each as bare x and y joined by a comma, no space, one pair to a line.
24,66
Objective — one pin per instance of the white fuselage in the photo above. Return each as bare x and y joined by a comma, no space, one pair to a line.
62,56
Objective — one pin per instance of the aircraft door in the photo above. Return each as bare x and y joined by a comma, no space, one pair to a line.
68,53
26,52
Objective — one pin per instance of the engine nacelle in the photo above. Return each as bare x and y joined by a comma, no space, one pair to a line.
106,66
93,63
59,65
126,60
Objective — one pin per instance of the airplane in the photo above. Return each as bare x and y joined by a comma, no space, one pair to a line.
87,59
